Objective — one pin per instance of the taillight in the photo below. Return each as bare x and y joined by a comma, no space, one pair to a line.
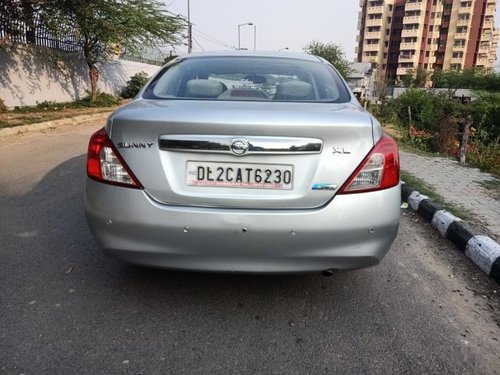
378,171
104,163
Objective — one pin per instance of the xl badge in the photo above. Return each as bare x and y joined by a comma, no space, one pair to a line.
340,150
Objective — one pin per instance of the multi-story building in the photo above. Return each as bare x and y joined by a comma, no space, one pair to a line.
399,35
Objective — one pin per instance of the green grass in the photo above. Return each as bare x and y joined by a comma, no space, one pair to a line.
424,188
48,111
493,186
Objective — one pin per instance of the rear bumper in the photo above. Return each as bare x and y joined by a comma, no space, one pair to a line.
352,231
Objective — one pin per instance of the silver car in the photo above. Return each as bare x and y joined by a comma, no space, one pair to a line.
244,162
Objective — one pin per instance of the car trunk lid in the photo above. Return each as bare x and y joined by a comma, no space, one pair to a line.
190,152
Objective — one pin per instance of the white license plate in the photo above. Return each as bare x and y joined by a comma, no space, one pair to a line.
239,175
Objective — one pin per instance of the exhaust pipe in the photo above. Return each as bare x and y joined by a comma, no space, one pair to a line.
327,273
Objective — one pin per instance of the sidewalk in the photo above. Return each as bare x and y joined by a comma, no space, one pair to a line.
458,185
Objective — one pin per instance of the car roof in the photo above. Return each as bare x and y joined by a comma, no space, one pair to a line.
239,53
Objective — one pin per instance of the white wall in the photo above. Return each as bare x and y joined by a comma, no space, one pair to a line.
29,74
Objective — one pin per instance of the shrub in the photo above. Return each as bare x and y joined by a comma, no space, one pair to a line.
486,158
134,85
423,109
102,100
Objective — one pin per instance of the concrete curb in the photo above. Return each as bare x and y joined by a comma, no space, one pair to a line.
482,250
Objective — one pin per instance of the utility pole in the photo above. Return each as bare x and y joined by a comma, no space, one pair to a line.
190,30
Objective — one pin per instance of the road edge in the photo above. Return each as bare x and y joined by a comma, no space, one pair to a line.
54,124
482,250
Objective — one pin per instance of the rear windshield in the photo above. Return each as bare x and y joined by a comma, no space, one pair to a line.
248,78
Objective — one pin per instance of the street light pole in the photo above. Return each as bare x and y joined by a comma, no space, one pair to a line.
190,30
254,37
239,32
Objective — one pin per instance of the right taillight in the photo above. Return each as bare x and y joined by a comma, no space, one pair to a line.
104,163
378,171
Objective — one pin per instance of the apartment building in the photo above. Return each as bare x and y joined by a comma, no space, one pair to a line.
399,35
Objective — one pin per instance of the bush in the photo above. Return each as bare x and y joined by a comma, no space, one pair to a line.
486,158
102,100
134,85
423,110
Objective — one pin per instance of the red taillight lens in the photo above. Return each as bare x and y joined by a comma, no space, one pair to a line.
104,163
378,171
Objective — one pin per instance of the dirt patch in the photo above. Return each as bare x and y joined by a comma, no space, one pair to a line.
13,119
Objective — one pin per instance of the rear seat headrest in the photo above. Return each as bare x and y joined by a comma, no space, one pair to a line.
204,88
294,90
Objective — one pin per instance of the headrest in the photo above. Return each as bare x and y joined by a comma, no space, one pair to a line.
294,90
204,88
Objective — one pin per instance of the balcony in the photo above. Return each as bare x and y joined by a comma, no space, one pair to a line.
486,36
487,24
459,48
457,60
482,62
411,20
412,46
371,47
406,58
414,6
463,22
372,34
402,71
490,12
410,33
484,49
376,22
462,35
375,10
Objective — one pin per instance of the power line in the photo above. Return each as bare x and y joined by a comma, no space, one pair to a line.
212,39
198,43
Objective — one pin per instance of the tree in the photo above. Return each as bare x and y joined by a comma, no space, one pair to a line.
331,52
471,78
105,28
415,78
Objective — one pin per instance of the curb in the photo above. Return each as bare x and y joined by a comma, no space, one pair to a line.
482,250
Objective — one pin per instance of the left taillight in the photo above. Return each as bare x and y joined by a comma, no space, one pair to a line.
104,163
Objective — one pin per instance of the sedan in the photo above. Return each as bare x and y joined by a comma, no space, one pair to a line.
244,162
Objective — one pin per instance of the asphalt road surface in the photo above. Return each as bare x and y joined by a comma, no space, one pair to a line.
67,309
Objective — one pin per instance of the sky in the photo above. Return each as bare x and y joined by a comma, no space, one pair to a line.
279,24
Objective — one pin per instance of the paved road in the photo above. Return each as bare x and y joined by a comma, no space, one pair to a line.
67,309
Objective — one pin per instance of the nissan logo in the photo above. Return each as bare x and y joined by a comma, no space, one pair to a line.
239,146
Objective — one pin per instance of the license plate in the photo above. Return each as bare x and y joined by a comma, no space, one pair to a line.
239,175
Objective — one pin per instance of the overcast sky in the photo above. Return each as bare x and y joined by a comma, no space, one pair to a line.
279,23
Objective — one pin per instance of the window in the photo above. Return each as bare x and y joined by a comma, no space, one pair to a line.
247,78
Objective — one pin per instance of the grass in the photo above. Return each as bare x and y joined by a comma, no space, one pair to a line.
493,186
424,188
48,111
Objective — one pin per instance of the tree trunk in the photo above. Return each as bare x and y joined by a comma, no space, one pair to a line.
94,77
464,140
3,108
410,135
